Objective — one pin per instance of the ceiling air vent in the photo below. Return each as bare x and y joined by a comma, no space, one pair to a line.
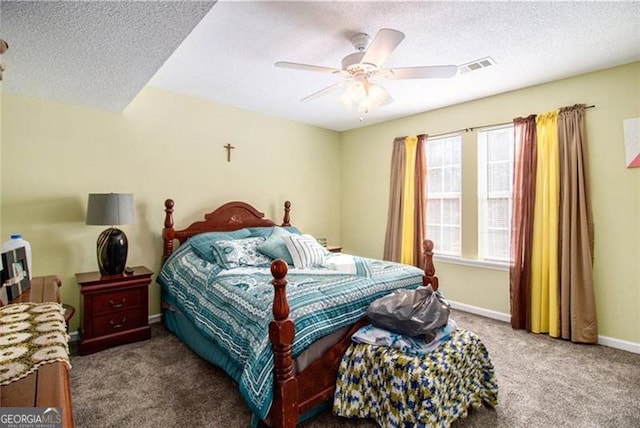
476,65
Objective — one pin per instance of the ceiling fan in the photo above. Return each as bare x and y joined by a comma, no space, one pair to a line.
362,69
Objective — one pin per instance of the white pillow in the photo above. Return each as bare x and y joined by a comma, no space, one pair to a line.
305,250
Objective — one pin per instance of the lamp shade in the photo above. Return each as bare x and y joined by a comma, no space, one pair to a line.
108,209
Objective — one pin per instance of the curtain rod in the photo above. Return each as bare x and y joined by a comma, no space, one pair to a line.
481,126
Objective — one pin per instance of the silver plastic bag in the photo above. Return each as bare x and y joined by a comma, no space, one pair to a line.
418,312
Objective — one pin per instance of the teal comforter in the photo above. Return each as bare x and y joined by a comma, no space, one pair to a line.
233,308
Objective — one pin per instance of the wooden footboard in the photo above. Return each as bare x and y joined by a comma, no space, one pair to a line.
294,394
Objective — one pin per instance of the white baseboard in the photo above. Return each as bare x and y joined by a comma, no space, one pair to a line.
480,311
612,342
602,340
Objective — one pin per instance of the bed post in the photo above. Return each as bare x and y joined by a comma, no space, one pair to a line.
284,411
168,232
430,277
286,221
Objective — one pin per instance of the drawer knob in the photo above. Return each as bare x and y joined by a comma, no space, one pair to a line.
115,305
115,325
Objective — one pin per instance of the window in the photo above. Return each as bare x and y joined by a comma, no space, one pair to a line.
444,187
495,185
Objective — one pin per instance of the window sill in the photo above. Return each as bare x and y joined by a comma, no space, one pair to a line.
483,264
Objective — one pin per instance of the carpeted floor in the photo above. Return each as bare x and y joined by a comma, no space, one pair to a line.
543,383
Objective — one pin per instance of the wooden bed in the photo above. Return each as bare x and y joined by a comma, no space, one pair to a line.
294,394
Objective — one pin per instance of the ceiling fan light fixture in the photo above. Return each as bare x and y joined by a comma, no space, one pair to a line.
376,95
356,91
363,96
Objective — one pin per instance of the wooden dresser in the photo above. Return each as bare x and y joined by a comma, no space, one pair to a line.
49,385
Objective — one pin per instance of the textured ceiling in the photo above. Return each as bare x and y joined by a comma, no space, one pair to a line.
100,54
97,54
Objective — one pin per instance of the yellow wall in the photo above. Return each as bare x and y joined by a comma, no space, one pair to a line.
366,157
163,145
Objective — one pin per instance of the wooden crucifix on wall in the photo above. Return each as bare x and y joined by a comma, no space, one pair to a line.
229,147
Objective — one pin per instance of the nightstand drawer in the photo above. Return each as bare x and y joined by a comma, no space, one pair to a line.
117,322
108,303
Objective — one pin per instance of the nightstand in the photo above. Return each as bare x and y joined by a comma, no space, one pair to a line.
334,248
115,309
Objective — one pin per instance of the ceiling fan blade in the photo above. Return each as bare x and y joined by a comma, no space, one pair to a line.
382,45
324,91
426,72
307,67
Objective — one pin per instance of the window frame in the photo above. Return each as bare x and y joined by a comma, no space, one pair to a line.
443,196
485,195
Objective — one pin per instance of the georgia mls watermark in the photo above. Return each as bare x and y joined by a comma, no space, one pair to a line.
30,417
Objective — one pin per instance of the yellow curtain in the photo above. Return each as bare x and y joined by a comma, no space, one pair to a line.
406,252
544,257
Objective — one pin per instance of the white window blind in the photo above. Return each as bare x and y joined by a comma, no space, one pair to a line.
495,185
444,187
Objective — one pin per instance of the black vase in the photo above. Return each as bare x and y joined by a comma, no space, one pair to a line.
112,251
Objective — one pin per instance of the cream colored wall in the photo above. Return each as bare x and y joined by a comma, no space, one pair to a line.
366,157
163,145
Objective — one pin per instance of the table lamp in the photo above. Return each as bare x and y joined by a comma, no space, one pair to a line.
110,209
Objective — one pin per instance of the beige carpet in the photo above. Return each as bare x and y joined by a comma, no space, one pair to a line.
543,383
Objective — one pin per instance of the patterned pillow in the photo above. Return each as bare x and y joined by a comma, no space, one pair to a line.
240,252
275,247
305,250
202,243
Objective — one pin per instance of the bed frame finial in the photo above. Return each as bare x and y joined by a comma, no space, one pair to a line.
287,219
430,277
168,232
280,304
284,411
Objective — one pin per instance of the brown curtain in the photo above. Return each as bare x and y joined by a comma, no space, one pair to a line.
393,236
522,221
578,321
420,201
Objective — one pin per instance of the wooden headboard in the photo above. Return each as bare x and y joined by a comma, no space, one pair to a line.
230,216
